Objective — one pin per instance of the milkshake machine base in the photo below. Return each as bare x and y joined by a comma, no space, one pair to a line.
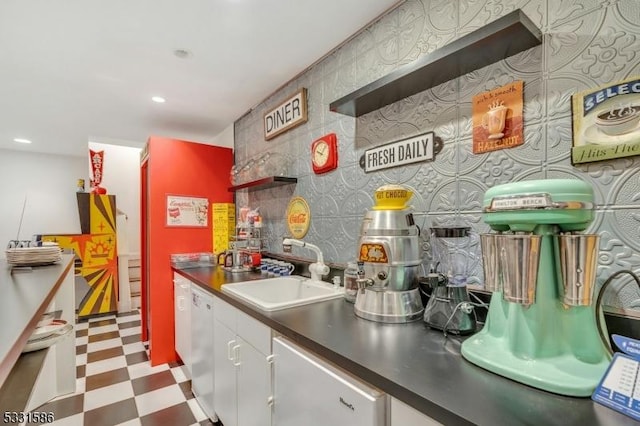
389,306
564,373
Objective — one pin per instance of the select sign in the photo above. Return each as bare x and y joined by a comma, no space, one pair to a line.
406,151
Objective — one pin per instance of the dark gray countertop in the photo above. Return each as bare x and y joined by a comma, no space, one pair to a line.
414,364
25,294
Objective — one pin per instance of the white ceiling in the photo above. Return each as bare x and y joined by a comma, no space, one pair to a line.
74,71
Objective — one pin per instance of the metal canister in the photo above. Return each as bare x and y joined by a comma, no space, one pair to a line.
389,246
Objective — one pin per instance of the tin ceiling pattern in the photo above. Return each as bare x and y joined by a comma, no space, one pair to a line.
586,43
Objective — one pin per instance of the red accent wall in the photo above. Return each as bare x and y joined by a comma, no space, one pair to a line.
184,168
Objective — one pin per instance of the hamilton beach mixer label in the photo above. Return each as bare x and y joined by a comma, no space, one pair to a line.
515,203
373,253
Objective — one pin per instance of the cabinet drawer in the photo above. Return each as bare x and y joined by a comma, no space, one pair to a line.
254,332
225,313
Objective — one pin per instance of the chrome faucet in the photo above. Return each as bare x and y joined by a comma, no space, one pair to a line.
317,269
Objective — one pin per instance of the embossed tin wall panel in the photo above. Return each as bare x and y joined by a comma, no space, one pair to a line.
586,43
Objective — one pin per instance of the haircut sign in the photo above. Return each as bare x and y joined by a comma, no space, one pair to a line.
497,118
406,151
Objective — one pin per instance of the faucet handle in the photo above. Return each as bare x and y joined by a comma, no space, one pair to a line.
319,268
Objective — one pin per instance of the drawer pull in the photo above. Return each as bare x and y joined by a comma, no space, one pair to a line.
230,344
236,355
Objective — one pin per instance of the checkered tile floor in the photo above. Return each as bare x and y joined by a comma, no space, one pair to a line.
116,384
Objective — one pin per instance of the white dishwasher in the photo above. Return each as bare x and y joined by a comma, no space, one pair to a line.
310,392
182,313
202,350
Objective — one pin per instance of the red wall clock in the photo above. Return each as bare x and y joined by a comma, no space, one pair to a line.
324,154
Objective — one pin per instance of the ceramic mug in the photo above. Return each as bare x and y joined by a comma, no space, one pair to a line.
286,268
619,121
273,268
264,266
494,121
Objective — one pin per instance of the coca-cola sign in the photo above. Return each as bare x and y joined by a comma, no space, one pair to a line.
298,217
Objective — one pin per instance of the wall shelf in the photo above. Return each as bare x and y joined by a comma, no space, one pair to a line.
504,37
264,183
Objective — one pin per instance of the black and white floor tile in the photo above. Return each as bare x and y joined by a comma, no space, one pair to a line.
116,384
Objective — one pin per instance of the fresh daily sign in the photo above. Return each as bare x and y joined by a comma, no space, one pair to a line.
289,114
400,153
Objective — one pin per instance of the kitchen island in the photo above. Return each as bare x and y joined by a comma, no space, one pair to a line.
412,363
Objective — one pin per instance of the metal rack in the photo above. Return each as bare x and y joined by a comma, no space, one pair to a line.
249,238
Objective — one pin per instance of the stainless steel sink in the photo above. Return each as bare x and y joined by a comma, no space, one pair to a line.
273,294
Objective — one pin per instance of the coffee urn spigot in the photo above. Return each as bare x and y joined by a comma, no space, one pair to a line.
363,282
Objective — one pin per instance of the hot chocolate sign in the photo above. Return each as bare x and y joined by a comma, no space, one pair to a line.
606,122
497,118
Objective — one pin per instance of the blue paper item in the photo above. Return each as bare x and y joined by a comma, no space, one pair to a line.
627,345
619,388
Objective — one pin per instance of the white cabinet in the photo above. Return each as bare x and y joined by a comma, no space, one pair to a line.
225,389
182,311
402,415
202,339
242,364
309,391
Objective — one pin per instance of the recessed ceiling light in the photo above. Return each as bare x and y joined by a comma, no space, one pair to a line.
158,99
182,53
20,140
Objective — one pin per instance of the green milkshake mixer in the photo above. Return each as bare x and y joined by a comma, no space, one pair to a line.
541,328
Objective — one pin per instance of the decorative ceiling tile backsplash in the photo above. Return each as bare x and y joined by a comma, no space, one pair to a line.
586,44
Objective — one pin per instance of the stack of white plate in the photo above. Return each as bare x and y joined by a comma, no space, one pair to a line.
33,256
47,335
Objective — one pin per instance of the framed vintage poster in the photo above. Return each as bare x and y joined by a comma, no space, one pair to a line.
187,211
497,118
606,122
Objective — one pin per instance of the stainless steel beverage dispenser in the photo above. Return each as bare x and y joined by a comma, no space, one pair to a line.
389,258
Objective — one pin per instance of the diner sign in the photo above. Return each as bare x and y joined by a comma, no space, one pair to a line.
406,151
289,114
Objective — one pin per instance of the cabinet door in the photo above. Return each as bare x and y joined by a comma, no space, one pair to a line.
308,390
402,414
202,339
253,332
225,351
254,387
182,297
